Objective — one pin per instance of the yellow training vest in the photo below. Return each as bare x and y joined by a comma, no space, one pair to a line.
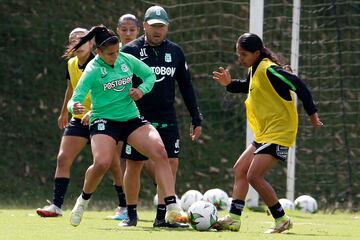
271,118
75,74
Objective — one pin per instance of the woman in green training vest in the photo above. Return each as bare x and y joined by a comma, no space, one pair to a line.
115,117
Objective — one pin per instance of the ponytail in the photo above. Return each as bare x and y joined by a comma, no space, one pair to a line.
103,38
74,34
267,53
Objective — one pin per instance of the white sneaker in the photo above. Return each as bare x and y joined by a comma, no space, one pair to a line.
120,214
78,211
50,210
281,224
175,214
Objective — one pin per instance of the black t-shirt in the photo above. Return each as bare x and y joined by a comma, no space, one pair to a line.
168,63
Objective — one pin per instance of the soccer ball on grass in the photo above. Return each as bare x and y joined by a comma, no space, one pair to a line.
217,197
306,203
189,198
287,204
202,215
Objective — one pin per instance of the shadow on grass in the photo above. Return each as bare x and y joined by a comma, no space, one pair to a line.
145,228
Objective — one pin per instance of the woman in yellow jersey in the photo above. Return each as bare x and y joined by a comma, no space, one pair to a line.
76,134
272,115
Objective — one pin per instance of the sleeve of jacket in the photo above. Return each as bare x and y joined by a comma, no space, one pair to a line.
239,85
143,71
187,91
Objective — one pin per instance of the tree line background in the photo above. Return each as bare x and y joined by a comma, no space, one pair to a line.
33,35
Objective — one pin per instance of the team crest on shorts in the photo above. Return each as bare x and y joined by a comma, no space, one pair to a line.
168,57
124,68
128,149
101,126
282,151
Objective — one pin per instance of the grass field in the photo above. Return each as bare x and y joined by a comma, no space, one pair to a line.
25,224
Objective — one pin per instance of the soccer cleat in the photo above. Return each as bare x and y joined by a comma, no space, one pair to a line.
49,211
78,211
164,224
281,224
228,223
120,214
128,222
175,214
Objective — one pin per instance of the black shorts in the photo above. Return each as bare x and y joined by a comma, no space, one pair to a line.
119,131
77,129
170,136
275,150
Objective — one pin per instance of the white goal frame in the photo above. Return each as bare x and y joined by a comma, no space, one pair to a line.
256,26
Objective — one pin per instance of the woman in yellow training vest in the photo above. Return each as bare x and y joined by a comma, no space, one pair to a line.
273,118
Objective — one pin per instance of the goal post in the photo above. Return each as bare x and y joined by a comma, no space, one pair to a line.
294,62
255,26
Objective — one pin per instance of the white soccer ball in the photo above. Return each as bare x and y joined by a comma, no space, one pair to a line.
287,204
217,197
306,203
202,215
189,198
156,200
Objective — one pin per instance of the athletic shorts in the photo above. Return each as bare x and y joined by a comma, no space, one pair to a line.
170,136
119,131
77,129
277,151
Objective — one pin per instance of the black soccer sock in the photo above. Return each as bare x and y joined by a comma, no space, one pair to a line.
160,211
132,211
121,195
169,200
59,191
237,206
277,210
86,196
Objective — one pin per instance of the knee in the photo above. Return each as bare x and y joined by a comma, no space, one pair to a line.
102,165
252,178
239,172
159,154
63,160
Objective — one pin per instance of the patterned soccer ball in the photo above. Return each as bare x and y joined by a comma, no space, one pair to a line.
306,204
287,204
202,215
189,198
217,197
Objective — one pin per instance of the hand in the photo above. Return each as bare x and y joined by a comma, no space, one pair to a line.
222,76
85,119
62,121
135,93
195,132
78,108
315,121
